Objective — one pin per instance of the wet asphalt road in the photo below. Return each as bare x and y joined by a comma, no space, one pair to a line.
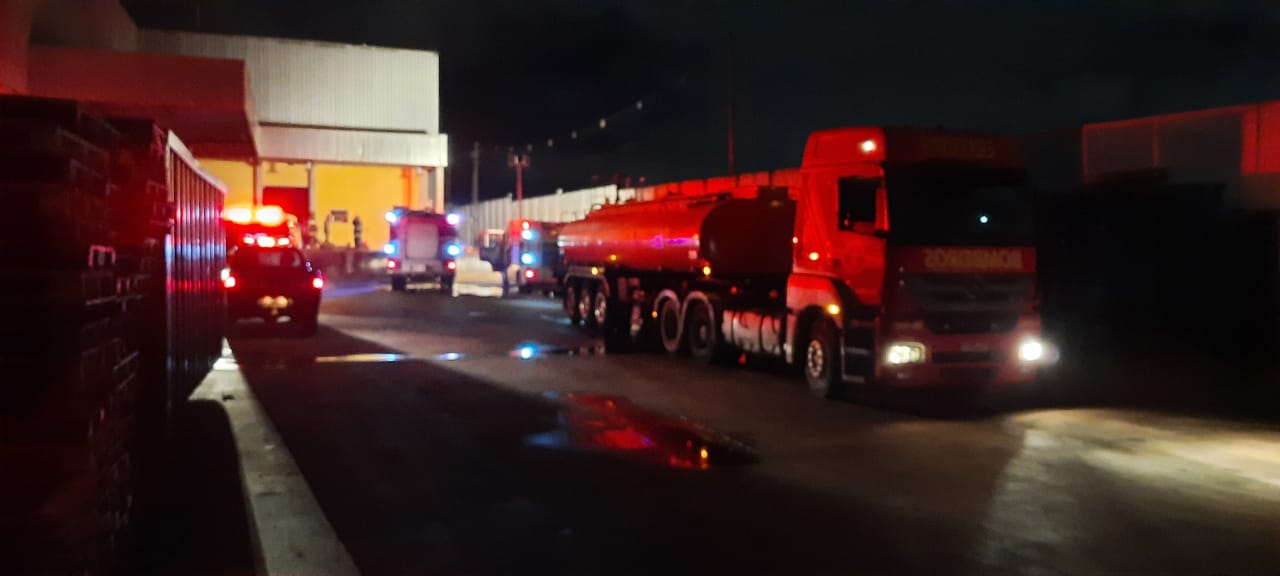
466,435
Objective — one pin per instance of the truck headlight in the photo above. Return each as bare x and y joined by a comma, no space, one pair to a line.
901,353
1031,350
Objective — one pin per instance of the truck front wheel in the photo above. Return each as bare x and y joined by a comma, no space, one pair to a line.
399,283
821,361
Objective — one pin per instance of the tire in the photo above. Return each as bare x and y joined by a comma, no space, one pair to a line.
585,300
701,333
821,361
571,304
669,331
399,283
600,309
446,286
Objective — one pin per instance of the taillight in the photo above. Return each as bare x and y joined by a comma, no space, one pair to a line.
317,283
451,265
230,281
392,264
530,274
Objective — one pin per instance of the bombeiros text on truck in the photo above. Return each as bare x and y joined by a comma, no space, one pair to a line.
897,257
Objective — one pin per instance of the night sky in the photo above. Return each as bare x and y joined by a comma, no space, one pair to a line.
519,73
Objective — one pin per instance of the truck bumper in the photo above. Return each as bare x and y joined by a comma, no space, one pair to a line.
272,308
979,362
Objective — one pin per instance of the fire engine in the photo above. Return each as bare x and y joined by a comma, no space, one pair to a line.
423,246
901,257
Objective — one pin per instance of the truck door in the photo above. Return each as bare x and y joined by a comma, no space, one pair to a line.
860,235
840,225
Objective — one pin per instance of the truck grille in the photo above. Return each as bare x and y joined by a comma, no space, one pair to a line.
980,323
965,357
969,293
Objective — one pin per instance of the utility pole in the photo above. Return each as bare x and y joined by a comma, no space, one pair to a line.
519,162
733,169
475,173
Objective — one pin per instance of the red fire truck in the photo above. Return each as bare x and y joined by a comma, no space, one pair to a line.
903,257
424,246
532,253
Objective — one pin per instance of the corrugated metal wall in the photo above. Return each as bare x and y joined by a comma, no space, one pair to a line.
321,84
565,207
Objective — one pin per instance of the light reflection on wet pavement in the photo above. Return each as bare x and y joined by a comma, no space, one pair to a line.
614,424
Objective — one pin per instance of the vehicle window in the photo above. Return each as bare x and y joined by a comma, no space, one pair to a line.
269,259
857,201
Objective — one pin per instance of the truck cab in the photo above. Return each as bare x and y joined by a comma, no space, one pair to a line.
423,247
914,262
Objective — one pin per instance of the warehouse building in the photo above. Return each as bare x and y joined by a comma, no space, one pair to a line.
331,131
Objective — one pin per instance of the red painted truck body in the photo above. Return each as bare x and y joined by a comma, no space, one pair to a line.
896,256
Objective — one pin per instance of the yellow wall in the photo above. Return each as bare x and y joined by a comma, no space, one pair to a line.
364,191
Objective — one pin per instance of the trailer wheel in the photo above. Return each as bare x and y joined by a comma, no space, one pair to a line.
399,283
702,336
669,327
821,361
446,286
599,309
584,305
571,303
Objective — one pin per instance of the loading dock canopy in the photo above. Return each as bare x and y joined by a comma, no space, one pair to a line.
207,100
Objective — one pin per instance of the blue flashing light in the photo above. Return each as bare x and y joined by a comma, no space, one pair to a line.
526,234
392,216
526,352
453,219
389,249
454,250
983,219
526,259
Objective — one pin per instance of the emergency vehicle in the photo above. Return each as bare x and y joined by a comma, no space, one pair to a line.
530,258
261,226
899,257
423,247
273,283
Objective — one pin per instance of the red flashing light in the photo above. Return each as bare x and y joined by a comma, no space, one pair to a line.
317,283
813,256
524,225
451,265
530,274
247,240
283,241
392,264
230,282
266,242
868,146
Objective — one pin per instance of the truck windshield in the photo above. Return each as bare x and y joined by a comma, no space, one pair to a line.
947,205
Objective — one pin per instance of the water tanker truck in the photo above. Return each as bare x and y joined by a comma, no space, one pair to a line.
899,257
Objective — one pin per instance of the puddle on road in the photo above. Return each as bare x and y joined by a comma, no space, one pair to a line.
613,424
531,351
361,358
